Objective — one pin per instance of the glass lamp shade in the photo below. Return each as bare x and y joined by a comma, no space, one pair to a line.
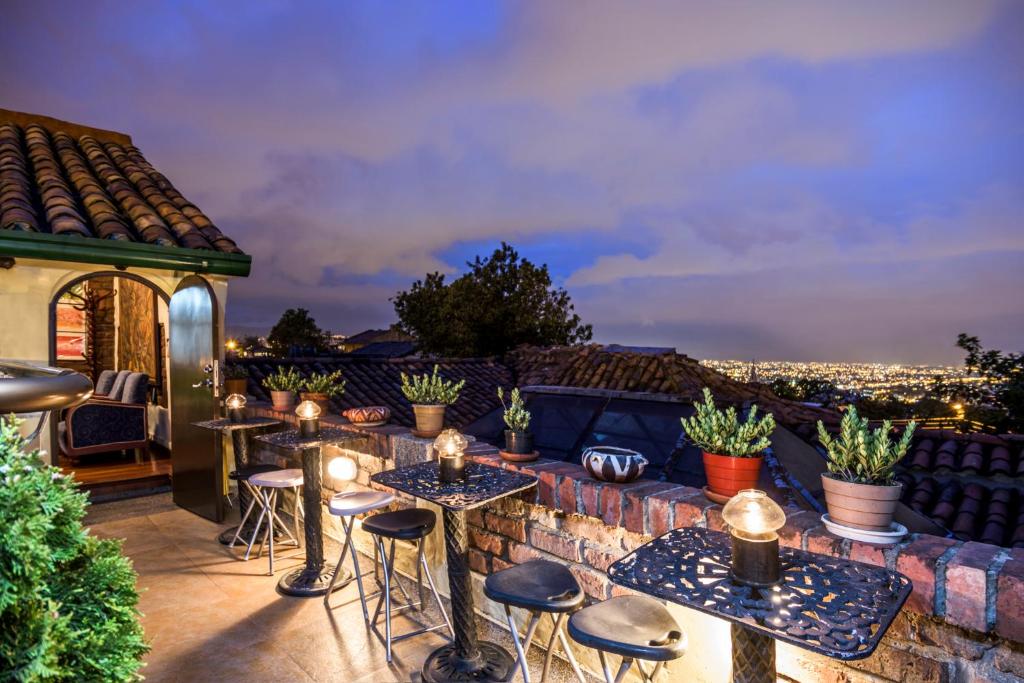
342,468
307,410
753,516
450,443
234,401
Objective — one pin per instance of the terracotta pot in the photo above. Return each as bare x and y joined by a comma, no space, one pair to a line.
283,400
429,420
862,506
728,475
235,386
608,463
322,400
518,443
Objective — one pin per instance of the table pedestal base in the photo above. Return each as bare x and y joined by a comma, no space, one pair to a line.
753,656
306,583
492,663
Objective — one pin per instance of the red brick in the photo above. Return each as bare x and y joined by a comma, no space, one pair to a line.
499,564
902,665
634,503
506,526
592,529
631,541
689,511
478,562
520,552
611,504
564,546
1010,601
601,558
492,459
595,584
616,590
791,535
965,585
917,561
659,510
714,517
590,491
490,543
868,553
567,488
821,540
475,517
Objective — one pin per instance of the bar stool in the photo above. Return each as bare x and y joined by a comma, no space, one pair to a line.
412,524
347,505
241,479
266,485
635,627
539,587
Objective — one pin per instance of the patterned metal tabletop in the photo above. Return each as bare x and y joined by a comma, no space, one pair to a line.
832,606
291,440
224,424
482,484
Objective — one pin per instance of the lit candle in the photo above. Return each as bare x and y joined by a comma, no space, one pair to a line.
449,446
309,419
754,520
235,405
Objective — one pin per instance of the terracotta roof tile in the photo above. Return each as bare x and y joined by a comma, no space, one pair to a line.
65,179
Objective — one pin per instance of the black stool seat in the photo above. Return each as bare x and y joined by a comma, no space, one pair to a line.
244,473
631,626
536,585
406,525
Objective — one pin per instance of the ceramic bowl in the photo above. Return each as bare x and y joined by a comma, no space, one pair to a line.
618,465
368,416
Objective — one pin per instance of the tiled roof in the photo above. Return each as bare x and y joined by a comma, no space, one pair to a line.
387,349
66,179
372,336
650,371
972,484
377,381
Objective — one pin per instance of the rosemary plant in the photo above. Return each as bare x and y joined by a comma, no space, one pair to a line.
284,380
431,389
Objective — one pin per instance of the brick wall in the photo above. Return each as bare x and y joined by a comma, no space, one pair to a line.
963,622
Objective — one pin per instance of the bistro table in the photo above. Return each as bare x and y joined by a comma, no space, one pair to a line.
314,577
241,442
835,607
465,659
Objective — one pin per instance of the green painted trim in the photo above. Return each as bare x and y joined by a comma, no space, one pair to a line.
39,245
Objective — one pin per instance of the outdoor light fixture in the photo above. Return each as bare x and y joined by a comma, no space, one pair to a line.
342,468
235,405
754,520
308,413
449,446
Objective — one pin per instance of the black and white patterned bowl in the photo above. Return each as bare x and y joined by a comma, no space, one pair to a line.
608,463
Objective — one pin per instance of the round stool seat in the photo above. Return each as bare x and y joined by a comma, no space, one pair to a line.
358,502
244,473
278,479
536,585
631,626
407,525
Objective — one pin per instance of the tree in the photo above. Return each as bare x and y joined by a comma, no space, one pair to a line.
805,389
67,599
296,333
995,396
504,301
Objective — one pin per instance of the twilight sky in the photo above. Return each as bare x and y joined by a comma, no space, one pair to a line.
787,180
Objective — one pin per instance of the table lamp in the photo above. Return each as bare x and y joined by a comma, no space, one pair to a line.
235,405
309,419
754,520
450,459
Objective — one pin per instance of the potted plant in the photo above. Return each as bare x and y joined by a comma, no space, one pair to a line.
283,385
236,379
430,395
860,488
518,440
321,387
733,450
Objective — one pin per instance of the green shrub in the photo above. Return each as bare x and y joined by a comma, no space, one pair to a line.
67,599
862,455
517,417
325,383
236,372
284,380
431,390
721,433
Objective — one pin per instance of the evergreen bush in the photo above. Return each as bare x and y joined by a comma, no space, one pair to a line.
67,599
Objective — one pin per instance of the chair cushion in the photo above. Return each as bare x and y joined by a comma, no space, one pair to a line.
118,386
357,502
278,479
631,626
248,471
104,383
408,525
136,388
536,585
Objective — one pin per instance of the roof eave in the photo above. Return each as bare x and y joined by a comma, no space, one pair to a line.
38,245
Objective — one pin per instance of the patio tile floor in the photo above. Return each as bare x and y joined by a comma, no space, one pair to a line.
210,617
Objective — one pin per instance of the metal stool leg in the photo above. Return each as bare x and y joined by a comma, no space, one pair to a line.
560,628
520,649
259,523
272,500
245,518
346,525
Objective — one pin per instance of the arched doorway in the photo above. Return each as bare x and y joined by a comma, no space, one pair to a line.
113,320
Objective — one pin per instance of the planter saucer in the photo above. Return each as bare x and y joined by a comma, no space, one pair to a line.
519,457
424,435
897,532
716,497
375,423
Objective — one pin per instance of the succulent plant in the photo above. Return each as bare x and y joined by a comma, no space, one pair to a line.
284,380
861,455
517,417
328,383
720,432
431,389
